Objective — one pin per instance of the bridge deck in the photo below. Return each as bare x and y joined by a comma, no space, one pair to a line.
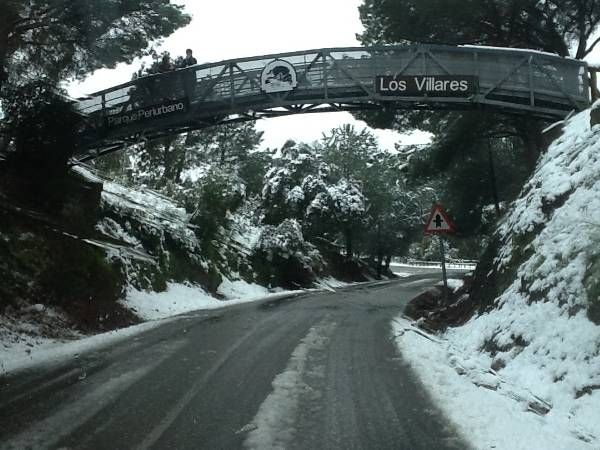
508,80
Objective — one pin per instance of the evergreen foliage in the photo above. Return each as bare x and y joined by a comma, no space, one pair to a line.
60,39
459,156
553,25
46,42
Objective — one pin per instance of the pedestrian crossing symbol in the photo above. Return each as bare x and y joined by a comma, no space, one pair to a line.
439,221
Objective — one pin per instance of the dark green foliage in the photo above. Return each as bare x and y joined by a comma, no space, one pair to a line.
347,151
42,264
227,145
461,160
45,42
394,209
165,161
43,127
63,38
551,26
216,195
252,170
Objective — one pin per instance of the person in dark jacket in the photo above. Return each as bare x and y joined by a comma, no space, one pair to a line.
165,64
189,59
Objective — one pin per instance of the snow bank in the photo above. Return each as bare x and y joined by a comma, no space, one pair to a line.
33,350
538,338
487,409
181,298
177,299
27,347
238,289
453,283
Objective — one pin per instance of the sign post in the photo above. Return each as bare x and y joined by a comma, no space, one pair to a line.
440,223
444,276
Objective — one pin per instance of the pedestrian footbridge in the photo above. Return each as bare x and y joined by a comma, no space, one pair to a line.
511,81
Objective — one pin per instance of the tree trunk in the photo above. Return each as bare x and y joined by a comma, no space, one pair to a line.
531,134
582,46
348,235
379,263
388,261
180,166
493,179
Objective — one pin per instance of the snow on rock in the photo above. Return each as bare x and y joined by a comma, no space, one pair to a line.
237,289
538,338
453,283
177,299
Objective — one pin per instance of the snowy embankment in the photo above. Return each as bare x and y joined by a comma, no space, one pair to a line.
526,374
136,225
181,298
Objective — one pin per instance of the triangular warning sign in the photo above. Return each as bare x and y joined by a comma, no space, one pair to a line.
439,222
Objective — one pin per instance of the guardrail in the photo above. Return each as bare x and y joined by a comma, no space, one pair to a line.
461,264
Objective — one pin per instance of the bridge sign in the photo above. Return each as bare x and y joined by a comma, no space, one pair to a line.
159,111
278,76
439,222
431,86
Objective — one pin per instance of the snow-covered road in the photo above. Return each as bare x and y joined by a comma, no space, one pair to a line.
314,371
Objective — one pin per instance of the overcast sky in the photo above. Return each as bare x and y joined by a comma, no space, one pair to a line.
228,29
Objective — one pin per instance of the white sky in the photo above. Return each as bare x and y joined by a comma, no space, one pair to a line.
228,29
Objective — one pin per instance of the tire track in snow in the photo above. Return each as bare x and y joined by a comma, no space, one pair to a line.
273,427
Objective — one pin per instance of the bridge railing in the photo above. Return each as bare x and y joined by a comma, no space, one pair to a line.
507,79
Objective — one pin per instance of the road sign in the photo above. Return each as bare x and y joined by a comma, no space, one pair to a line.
439,222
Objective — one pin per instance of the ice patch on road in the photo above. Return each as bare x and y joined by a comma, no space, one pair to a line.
403,274
273,426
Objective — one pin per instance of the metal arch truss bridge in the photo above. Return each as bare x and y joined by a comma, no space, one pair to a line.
336,79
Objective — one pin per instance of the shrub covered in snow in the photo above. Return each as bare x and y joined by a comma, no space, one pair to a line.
283,257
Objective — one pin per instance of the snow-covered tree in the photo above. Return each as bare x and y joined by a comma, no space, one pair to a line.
283,257
283,195
347,151
339,209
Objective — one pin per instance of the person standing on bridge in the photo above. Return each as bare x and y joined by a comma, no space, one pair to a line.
189,59
165,64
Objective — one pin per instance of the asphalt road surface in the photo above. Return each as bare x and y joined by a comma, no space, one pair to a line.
315,371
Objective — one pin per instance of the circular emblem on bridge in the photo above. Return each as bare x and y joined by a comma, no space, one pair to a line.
278,76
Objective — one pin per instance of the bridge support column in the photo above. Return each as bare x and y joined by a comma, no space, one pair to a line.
493,178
